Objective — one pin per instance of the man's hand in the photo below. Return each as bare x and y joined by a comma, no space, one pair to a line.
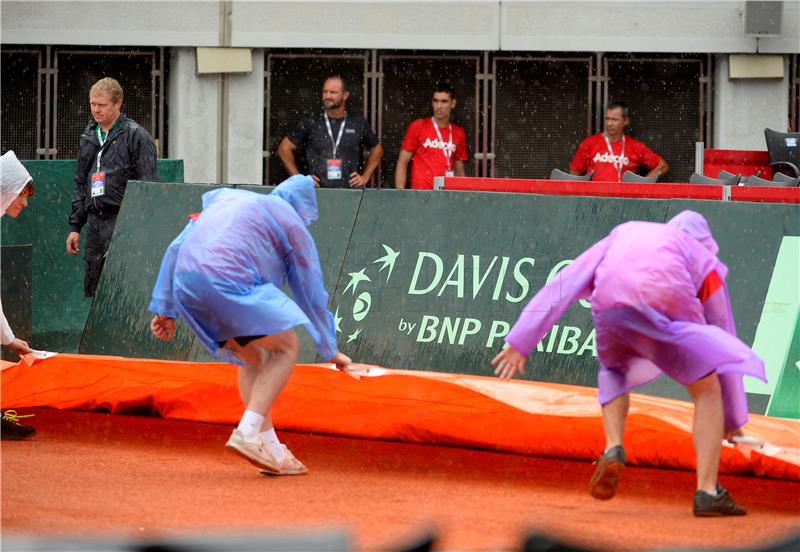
508,363
341,361
20,347
73,243
357,180
162,327
315,178
731,433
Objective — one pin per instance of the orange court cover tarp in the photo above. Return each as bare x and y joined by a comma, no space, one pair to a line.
534,418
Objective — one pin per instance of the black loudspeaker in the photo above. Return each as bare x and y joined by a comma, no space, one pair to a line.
763,18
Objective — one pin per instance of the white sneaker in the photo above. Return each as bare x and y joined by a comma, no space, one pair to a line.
287,465
253,450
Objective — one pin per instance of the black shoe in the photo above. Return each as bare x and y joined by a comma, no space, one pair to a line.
721,504
603,484
12,429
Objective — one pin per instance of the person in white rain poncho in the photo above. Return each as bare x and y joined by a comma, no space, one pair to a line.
16,186
223,274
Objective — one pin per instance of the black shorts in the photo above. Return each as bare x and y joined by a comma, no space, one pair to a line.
242,340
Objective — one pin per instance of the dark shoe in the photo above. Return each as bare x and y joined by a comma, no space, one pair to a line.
603,485
721,504
12,429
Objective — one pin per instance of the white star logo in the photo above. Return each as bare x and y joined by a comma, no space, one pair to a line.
336,320
388,260
355,279
354,335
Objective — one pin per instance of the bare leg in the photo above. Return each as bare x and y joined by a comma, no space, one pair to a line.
709,428
268,365
615,413
247,375
603,484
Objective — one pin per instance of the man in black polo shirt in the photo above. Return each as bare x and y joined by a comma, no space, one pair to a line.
332,142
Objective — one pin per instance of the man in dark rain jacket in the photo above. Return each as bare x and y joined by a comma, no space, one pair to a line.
113,150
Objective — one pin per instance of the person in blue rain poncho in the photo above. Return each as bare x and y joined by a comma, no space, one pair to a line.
223,275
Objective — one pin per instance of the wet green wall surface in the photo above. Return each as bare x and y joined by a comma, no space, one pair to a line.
749,236
15,292
465,265
118,320
59,307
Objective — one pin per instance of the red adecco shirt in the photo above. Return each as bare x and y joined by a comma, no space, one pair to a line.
428,158
593,155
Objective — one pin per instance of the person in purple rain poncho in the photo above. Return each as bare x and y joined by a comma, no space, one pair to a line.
659,305
223,274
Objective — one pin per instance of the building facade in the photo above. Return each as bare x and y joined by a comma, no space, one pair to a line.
531,77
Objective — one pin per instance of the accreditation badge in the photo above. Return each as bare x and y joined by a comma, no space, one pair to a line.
98,184
449,173
334,169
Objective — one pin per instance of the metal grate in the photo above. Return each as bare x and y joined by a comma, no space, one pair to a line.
541,113
294,90
79,70
406,91
794,94
19,93
664,97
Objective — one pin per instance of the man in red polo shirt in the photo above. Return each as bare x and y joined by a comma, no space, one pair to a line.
609,154
437,146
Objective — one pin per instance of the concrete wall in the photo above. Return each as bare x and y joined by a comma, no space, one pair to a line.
744,107
639,27
194,123
246,124
193,103
408,24
193,23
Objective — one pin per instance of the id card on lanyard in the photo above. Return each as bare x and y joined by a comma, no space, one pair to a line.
448,148
99,177
334,165
617,166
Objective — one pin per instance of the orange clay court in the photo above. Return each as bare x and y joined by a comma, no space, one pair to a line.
108,472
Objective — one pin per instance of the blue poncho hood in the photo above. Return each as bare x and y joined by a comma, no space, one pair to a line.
298,191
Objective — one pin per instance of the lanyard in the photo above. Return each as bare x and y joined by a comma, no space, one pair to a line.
330,133
621,156
448,149
102,141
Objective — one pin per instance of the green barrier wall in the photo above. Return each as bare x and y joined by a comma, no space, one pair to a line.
434,280
151,216
118,320
464,266
437,284
750,237
15,291
59,307
786,396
